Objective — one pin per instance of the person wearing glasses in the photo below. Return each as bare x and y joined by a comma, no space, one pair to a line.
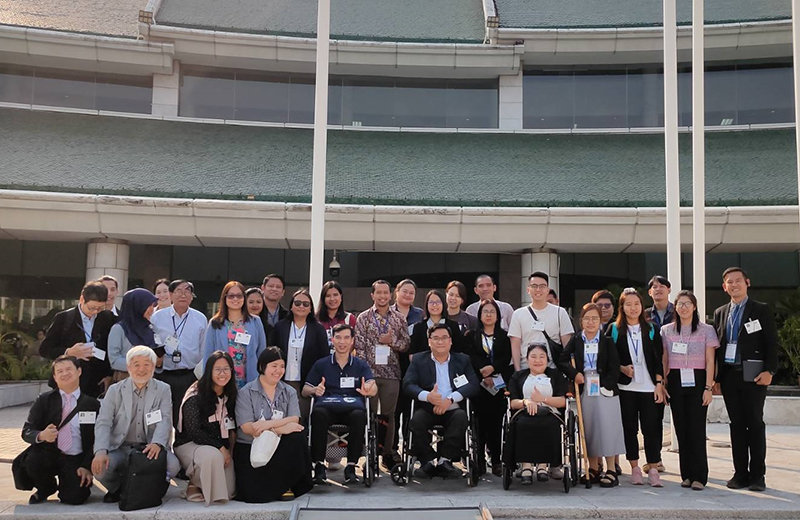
605,302
233,330
690,348
303,341
434,314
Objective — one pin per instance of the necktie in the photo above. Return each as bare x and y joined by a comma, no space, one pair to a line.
65,434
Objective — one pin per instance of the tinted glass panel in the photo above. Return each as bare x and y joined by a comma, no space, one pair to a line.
600,100
16,84
125,93
261,97
420,102
764,95
72,89
472,104
206,93
720,97
646,98
368,102
549,100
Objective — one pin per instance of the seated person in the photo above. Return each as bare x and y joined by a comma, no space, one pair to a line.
538,391
136,411
64,452
206,432
267,403
440,380
339,384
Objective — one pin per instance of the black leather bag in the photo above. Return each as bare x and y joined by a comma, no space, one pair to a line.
340,403
145,482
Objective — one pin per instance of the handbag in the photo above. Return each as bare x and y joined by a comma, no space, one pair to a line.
145,481
263,448
340,403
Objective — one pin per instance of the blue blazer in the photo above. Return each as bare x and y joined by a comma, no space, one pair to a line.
217,339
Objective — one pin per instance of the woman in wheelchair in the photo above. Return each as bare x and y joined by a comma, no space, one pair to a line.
538,399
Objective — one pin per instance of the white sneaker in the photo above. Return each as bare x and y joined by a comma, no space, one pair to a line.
556,472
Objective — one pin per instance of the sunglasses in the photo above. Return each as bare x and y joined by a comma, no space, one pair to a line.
298,303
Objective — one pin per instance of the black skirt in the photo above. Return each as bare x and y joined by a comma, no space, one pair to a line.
535,439
288,469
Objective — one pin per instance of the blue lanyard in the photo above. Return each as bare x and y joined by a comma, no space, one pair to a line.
635,344
181,325
272,318
590,360
735,323
302,334
85,334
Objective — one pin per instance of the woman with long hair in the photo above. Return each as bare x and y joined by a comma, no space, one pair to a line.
257,306
434,314
331,308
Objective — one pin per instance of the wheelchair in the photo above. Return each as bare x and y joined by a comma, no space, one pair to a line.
337,443
401,473
572,455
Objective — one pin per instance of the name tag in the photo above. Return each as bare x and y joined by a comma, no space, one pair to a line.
242,338
680,348
277,415
638,373
171,345
637,335
153,417
410,330
230,424
687,377
381,355
593,388
730,353
752,326
460,381
538,325
498,382
592,348
98,353
347,382
87,417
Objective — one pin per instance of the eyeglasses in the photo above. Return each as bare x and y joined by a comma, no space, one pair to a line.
489,313
301,303
434,302
536,286
183,292
222,371
683,305
591,319
98,308
605,305
440,339
234,296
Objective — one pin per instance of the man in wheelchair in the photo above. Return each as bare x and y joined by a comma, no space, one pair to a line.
439,381
339,383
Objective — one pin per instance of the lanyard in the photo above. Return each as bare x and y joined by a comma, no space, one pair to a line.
302,333
735,323
635,344
181,325
272,318
590,360
85,334
381,330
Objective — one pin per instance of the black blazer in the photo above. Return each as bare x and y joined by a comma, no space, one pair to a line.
46,410
315,345
67,330
653,352
419,337
517,383
607,361
421,376
501,350
761,345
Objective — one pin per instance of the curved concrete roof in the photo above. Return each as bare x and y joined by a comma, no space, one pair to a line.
106,17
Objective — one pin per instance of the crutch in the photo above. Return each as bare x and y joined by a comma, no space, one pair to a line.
581,435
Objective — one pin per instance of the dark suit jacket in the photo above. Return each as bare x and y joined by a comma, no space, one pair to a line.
607,361
315,345
67,330
501,350
761,345
653,352
421,376
46,410
419,337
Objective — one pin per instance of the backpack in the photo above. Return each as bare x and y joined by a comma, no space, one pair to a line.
615,332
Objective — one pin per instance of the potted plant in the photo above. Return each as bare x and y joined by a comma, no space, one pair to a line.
789,336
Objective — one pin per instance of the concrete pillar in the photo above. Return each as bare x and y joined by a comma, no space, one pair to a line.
108,256
166,89
546,261
510,109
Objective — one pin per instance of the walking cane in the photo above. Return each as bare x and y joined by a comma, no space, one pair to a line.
580,428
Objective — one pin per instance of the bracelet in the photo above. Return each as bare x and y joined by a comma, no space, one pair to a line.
709,388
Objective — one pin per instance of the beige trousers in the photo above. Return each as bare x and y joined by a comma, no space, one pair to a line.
205,467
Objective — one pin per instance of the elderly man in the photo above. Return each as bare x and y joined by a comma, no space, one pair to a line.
135,412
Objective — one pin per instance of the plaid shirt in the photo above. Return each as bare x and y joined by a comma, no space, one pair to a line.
367,335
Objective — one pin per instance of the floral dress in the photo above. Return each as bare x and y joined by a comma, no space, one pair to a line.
238,352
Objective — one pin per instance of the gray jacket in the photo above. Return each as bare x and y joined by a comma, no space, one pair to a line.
114,418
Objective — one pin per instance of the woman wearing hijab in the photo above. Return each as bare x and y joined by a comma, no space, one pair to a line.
132,329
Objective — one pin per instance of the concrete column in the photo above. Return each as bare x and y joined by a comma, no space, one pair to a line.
166,89
112,257
510,109
546,261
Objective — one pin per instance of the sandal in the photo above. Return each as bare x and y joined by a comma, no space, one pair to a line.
194,494
609,479
527,478
593,476
541,475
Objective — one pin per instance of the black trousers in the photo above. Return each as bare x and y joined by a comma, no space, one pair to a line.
455,424
689,415
45,465
489,411
288,469
745,405
179,381
640,408
322,418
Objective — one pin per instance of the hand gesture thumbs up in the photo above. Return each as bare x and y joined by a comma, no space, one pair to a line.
319,391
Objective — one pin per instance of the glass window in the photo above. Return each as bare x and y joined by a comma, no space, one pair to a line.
16,84
301,99
206,93
472,104
125,93
261,97
63,88
720,96
764,95
645,98
420,102
368,102
549,100
600,100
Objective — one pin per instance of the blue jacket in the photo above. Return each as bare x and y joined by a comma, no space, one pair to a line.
217,339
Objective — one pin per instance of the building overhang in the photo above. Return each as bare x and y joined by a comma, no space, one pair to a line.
32,215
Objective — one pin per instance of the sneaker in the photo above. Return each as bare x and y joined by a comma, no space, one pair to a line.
686,483
320,475
737,482
653,478
426,470
350,476
636,476
758,484
556,472
446,470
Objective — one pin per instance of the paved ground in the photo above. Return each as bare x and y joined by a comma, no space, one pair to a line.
782,499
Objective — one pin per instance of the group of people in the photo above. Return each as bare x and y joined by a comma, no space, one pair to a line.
156,375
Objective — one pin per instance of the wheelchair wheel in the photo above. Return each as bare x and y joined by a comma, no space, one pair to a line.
574,461
507,475
567,481
399,475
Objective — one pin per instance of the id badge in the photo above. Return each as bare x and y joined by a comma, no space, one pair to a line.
347,382
153,417
176,357
87,417
381,355
592,348
730,353
498,382
638,374
157,340
98,353
687,377
680,348
460,381
538,325
593,385
277,415
242,338
230,424
752,326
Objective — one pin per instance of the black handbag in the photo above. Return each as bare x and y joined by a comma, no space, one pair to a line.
145,481
340,403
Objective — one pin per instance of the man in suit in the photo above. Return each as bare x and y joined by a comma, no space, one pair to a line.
439,380
61,446
136,411
82,332
746,361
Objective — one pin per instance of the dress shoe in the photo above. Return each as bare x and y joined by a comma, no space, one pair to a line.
320,475
112,497
37,498
738,482
758,484
447,470
350,476
426,470
497,470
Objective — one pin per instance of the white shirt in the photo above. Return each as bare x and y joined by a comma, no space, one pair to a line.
506,310
443,383
190,331
74,423
645,384
556,324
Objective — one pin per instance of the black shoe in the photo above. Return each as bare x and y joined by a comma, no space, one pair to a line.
447,470
350,476
390,461
758,484
37,498
497,470
426,470
738,482
320,474
112,498
181,475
